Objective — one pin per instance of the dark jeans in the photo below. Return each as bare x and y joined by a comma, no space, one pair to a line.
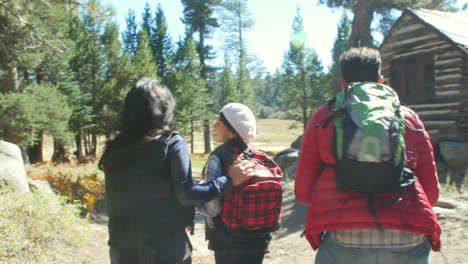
239,256
167,248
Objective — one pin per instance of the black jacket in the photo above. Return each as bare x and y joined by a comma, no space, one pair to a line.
140,197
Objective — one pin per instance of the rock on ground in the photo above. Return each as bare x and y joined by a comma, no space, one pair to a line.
12,172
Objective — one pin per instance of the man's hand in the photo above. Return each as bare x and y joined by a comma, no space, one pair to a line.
241,171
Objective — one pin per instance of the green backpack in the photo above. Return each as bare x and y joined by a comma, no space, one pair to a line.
369,144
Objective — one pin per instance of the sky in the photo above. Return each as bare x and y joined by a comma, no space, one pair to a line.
269,38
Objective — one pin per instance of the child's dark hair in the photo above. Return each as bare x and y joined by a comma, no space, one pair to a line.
236,141
360,65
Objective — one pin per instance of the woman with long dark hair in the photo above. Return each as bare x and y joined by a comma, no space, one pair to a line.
149,187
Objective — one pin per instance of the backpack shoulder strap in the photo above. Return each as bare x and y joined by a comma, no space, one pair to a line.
334,112
225,154
331,104
165,139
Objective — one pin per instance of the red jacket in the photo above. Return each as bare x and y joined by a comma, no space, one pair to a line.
332,209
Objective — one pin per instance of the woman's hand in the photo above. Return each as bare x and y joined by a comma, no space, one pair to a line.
240,171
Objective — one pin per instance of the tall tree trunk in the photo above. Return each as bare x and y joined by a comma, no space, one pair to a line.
204,75
192,138
60,154
24,153
26,77
240,83
361,26
79,147
206,135
39,74
10,81
86,143
8,134
304,119
94,145
305,101
35,151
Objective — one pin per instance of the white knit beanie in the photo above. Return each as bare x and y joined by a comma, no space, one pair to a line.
241,119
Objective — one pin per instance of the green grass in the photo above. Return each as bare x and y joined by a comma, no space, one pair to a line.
36,228
273,135
198,160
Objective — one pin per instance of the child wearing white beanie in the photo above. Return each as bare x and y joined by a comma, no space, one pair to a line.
234,125
241,119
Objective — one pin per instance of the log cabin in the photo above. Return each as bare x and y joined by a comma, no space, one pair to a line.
425,59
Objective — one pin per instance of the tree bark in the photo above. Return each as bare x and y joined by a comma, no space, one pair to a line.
94,146
10,81
192,138
60,153
86,143
204,73
79,147
8,134
26,162
206,135
361,26
26,77
35,151
240,83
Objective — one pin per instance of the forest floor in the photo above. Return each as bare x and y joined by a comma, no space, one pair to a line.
288,246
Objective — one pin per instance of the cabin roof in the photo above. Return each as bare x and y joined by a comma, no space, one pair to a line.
452,26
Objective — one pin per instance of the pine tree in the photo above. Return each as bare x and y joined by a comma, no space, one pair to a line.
365,11
340,45
266,93
237,21
117,79
198,17
81,112
130,35
147,20
162,44
226,89
33,42
276,90
32,111
88,65
29,34
189,89
302,76
143,65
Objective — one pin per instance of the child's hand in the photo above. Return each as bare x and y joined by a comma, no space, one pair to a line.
241,171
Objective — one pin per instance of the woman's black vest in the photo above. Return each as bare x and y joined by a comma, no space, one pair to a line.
140,195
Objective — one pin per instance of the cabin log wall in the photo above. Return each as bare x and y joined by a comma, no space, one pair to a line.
445,113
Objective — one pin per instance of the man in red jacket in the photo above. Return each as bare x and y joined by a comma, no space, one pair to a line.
339,223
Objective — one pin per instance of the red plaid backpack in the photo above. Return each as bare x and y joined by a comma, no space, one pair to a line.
256,203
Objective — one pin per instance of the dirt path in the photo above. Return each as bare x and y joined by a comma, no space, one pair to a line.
288,247
97,248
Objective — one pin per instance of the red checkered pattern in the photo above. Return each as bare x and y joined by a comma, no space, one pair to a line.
255,204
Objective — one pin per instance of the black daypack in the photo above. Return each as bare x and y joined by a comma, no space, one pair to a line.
368,143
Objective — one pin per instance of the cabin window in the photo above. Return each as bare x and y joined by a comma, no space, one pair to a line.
413,76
